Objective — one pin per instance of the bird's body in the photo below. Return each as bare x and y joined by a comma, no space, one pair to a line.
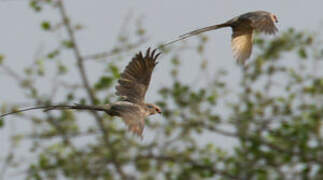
243,27
132,87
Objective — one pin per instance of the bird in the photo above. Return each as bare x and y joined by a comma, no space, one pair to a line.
243,27
131,88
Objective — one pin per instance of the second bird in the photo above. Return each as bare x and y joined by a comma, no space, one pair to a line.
243,27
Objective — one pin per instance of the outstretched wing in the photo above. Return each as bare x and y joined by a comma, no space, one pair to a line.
135,79
241,42
263,22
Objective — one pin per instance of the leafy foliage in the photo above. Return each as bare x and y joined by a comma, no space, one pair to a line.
273,120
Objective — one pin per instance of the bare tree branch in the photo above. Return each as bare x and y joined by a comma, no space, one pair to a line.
80,64
76,50
10,72
86,83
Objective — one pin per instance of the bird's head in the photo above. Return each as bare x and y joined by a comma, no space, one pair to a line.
274,18
153,109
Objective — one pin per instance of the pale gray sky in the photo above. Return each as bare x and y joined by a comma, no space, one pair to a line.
21,36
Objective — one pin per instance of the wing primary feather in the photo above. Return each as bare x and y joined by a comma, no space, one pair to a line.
135,79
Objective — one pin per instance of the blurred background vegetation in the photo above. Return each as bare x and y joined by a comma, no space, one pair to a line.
271,113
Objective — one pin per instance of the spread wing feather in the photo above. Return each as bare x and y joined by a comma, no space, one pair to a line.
135,79
241,42
263,22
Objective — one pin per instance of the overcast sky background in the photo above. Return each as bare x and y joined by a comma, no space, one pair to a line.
21,35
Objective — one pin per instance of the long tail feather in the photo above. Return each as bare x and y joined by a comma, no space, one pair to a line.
195,32
61,107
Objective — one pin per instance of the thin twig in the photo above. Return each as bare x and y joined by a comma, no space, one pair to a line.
114,51
70,135
10,72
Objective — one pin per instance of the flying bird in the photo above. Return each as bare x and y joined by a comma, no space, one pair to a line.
132,87
243,27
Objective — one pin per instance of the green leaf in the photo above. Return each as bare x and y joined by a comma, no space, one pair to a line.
175,61
68,44
114,70
104,83
70,96
46,25
43,161
204,39
62,69
83,101
35,6
1,58
53,54
41,67
302,53
143,165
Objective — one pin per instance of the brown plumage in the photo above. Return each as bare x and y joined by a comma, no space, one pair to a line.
243,27
132,87
135,79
